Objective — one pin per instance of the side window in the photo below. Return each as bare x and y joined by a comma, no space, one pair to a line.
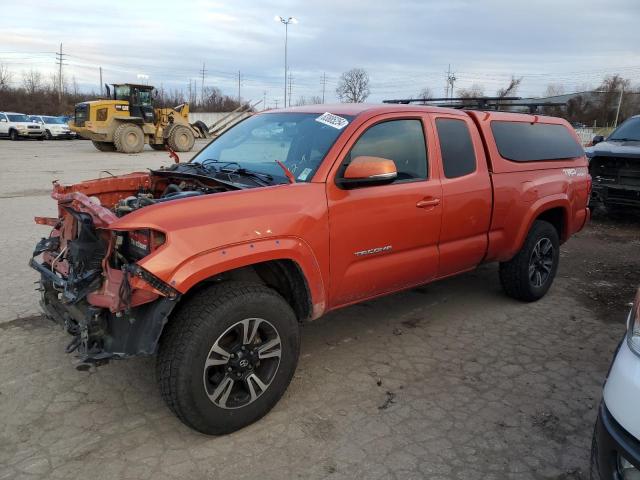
456,147
399,140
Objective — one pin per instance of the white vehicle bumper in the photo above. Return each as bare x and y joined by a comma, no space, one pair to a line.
622,390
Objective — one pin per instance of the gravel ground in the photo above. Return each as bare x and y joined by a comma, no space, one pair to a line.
450,380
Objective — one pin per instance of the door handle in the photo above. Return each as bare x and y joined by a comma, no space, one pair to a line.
430,202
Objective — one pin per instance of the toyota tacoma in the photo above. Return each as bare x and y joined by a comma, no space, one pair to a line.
212,264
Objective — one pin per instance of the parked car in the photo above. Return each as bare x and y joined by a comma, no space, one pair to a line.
291,214
615,453
18,125
614,164
54,127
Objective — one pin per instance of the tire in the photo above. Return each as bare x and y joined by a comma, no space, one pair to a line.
128,138
47,135
539,254
594,467
214,316
104,146
201,127
158,146
13,135
181,138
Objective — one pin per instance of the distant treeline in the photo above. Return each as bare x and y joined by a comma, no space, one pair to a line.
36,96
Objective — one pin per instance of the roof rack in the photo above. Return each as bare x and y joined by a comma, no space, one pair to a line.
406,101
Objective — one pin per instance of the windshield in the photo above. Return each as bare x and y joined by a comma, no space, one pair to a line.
121,92
629,130
54,120
299,140
18,118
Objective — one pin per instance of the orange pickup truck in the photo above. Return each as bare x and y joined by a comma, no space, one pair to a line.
213,263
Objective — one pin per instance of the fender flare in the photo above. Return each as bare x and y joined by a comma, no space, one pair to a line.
537,208
222,259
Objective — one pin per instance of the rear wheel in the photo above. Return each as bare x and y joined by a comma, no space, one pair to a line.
227,356
128,138
104,146
529,274
181,138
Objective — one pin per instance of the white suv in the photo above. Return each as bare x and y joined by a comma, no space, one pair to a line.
615,453
18,125
54,127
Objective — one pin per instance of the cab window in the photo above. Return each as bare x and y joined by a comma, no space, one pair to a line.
399,140
456,147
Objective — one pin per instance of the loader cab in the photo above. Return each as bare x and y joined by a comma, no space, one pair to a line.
140,98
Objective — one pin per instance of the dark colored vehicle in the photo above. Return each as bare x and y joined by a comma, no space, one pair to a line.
614,165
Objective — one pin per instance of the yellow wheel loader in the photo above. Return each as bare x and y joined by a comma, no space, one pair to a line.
128,120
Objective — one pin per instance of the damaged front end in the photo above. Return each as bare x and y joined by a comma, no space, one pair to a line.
90,279
90,282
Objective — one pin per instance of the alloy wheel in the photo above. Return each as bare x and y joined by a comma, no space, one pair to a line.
541,262
242,363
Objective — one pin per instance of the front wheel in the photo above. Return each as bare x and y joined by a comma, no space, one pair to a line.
13,135
529,274
227,356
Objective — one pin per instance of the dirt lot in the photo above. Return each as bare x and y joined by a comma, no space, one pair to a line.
451,380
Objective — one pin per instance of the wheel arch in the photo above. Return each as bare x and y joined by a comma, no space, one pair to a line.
553,209
287,264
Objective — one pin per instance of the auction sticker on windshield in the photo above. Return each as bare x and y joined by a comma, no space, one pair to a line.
333,120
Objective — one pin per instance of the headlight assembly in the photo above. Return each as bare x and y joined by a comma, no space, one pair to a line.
633,326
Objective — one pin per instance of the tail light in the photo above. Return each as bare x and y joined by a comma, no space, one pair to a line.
140,243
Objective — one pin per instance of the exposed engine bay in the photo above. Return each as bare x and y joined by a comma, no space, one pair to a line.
91,282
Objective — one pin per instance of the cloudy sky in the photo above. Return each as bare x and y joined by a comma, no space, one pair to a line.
405,45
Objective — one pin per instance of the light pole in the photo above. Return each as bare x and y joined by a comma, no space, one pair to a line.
286,22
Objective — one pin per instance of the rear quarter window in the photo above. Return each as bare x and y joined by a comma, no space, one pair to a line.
456,147
533,142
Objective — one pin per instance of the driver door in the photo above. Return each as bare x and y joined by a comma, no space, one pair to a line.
385,238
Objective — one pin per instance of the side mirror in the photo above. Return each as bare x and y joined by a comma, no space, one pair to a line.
597,139
368,171
3,119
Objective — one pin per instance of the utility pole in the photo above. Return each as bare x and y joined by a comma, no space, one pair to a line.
451,78
276,102
239,79
290,83
619,105
323,81
203,72
100,81
60,59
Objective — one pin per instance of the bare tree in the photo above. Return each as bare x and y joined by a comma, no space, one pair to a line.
353,86
473,91
553,90
315,100
511,89
301,101
32,81
425,94
5,77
